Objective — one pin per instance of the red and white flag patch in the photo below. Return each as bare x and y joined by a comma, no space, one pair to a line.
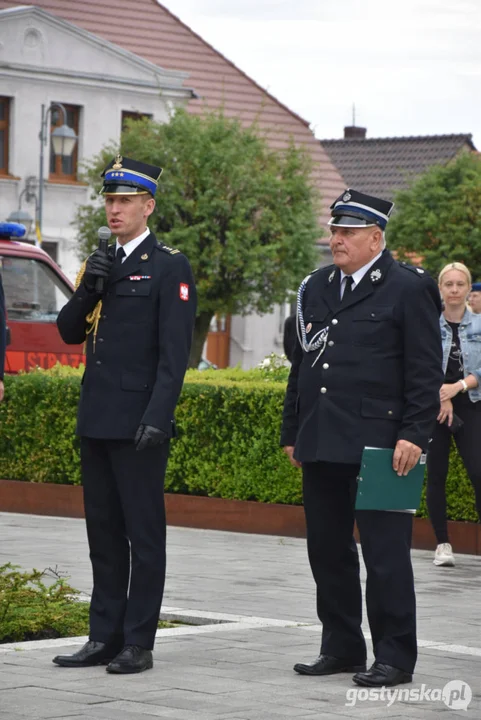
184,291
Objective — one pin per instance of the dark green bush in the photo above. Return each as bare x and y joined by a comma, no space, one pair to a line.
229,424
37,419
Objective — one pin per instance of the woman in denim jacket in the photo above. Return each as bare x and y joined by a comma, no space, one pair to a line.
460,395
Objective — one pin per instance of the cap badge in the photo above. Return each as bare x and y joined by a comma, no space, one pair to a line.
118,163
346,197
420,271
376,275
308,327
144,256
331,276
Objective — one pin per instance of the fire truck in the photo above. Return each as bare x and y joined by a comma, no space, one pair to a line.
35,291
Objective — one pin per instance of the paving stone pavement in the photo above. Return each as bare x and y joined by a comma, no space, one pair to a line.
240,670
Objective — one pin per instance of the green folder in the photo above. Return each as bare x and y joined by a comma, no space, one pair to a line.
379,487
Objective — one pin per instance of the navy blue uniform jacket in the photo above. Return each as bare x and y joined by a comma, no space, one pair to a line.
379,378
136,372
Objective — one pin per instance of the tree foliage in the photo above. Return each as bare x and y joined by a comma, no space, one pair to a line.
439,217
244,214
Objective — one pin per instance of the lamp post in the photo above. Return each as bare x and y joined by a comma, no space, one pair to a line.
63,143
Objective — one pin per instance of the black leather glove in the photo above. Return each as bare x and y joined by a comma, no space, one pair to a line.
148,436
98,265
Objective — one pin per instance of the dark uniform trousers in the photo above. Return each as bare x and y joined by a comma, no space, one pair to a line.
329,497
124,498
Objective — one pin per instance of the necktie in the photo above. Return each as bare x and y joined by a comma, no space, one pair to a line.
347,288
119,256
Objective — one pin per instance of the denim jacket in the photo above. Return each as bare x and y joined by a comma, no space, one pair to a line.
470,341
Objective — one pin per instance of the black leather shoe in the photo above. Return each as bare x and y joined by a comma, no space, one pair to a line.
328,665
92,653
380,674
132,659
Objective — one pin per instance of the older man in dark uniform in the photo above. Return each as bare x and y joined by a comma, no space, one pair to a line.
138,343
366,372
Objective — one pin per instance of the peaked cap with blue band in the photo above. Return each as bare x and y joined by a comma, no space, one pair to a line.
476,287
354,209
124,176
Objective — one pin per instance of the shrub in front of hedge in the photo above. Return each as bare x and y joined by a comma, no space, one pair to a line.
227,445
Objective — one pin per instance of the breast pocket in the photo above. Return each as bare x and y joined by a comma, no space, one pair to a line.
372,325
132,289
315,319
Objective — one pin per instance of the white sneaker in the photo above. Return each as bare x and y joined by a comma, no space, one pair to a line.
444,555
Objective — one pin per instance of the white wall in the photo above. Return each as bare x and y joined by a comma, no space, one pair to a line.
254,337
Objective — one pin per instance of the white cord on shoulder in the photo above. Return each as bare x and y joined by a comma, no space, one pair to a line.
319,340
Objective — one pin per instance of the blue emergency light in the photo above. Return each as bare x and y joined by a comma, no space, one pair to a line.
12,230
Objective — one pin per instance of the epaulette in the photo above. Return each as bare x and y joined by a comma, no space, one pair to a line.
308,277
167,249
419,271
313,272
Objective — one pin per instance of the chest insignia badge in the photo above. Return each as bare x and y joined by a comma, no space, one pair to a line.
140,277
144,256
331,276
308,327
376,275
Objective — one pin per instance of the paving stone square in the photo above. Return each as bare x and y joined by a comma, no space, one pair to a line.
240,669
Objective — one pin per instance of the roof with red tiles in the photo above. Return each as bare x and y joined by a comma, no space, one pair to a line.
149,30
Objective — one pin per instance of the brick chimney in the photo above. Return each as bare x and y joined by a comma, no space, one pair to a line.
354,132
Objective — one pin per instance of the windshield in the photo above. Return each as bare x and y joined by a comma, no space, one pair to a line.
33,292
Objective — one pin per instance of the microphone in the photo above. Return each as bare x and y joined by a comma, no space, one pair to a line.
103,234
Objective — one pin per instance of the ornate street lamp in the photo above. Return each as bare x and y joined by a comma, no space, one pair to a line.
63,143
23,217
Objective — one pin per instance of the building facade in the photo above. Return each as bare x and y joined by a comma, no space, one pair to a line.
46,60
104,64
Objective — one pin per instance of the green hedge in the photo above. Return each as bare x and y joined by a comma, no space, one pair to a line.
229,424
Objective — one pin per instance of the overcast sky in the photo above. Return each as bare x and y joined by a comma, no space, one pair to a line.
411,67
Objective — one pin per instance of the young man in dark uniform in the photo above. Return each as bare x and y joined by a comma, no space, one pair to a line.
366,372
138,344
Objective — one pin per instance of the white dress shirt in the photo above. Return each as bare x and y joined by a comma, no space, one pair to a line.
356,276
130,246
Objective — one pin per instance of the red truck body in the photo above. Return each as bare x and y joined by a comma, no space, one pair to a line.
35,291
